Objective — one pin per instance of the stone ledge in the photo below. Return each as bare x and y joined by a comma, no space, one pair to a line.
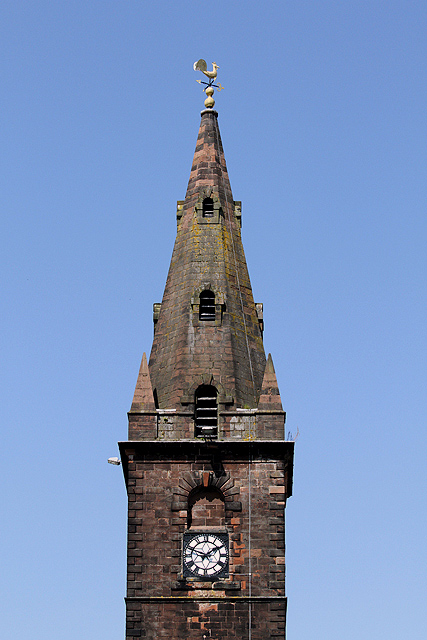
175,451
208,597
220,585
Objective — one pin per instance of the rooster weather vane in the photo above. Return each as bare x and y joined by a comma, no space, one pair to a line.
201,65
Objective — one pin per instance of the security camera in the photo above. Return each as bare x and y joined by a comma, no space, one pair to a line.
114,461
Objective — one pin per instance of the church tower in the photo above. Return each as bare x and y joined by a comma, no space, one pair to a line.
207,468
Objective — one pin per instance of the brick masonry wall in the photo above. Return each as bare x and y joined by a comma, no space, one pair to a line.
161,489
203,619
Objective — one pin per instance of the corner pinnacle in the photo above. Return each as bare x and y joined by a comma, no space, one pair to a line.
270,395
143,398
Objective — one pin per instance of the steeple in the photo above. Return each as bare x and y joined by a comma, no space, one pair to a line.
208,331
206,466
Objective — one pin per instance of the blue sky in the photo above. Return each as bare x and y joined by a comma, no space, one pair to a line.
323,121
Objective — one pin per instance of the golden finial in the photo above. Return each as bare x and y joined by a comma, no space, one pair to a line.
201,65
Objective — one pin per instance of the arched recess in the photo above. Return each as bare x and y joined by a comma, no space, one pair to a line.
207,305
208,207
207,379
205,508
192,484
224,395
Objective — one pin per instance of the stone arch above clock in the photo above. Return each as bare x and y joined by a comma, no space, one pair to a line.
206,508
204,481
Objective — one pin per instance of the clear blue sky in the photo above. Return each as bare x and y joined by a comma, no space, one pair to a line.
324,125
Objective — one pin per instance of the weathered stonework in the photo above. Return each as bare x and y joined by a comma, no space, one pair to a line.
234,482
208,250
163,479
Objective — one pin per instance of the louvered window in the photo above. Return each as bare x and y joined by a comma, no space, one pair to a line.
207,305
208,208
206,411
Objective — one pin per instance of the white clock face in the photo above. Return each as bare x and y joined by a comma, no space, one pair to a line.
205,555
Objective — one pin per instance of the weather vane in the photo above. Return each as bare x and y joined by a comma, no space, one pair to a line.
201,65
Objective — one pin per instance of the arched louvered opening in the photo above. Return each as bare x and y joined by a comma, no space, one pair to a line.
206,411
207,305
208,208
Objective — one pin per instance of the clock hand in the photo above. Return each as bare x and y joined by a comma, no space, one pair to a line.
203,556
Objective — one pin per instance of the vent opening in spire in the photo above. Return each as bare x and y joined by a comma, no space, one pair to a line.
206,411
207,305
208,208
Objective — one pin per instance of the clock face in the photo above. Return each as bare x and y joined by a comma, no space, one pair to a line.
205,555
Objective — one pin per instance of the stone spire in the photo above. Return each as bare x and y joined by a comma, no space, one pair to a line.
209,170
220,344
